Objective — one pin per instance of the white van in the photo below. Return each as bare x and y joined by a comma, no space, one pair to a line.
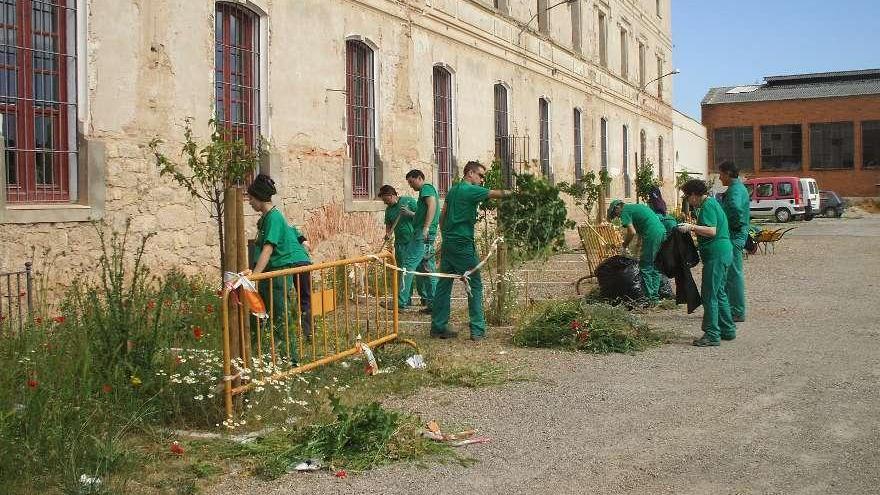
810,191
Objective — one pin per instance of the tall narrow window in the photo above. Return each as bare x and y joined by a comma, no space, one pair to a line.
624,54
544,138
627,190
603,138
602,32
659,8
543,17
642,69
643,147
871,144
578,146
360,117
443,150
660,157
38,99
576,34
502,137
237,69
659,78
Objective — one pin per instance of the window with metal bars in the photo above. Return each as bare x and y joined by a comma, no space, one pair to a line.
38,99
578,146
544,137
236,72
361,117
443,149
502,133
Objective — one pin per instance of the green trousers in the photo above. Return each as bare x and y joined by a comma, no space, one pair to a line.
415,255
427,286
650,276
458,256
717,319
736,284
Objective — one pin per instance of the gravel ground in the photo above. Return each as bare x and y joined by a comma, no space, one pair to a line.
790,407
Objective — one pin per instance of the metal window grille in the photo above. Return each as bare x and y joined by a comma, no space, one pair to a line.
360,117
443,148
832,145
627,189
544,138
781,147
603,136
502,134
578,146
237,69
38,99
660,157
735,144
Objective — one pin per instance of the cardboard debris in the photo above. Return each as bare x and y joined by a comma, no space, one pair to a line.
462,438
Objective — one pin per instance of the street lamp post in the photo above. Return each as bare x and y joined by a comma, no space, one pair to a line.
526,25
673,71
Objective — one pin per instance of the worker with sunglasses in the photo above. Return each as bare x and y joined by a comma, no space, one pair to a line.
458,250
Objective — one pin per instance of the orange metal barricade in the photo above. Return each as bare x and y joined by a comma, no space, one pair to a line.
352,300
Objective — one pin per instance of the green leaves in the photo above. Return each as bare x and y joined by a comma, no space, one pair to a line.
645,180
585,191
533,220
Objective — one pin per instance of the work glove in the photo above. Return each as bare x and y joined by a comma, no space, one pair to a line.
685,227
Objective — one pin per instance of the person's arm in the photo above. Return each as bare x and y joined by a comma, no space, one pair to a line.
628,237
442,215
307,246
431,205
499,193
263,259
703,230
387,231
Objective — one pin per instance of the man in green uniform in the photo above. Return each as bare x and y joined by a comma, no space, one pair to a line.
425,229
280,246
458,251
713,242
736,207
642,220
408,250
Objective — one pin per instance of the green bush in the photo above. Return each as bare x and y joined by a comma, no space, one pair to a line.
595,328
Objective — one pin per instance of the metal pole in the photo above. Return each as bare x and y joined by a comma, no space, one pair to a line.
29,281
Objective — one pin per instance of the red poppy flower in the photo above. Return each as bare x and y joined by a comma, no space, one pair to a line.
151,304
58,319
176,448
178,360
32,383
575,325
39,320
341,474
197,332
106,388
209,308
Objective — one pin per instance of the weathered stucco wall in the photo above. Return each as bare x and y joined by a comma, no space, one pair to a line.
150,66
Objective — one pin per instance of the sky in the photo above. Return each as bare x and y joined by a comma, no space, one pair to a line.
733,42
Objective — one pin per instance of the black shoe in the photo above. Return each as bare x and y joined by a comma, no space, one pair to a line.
728,337
477,338
444,335
739,319
425,311
705,341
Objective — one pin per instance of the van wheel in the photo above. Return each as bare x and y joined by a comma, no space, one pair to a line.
808,217
831,212
782,215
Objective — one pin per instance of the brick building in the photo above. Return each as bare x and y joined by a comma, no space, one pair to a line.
822,125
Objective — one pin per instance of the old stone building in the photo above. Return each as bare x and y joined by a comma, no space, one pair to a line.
822,125
348,94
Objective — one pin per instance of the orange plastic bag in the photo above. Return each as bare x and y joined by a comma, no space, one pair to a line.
247,291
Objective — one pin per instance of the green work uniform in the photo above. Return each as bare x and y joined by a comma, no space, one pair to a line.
287,252
736,207
408,249
668,221
716,253
458,254
653,233
426,286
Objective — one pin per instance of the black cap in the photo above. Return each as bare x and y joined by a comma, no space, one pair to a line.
262,188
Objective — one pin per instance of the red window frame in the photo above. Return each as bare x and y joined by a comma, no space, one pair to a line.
236,72
360,110
38,158
443,146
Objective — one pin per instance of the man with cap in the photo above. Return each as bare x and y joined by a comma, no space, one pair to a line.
280,246
736,206
425,228
408,249
458,252
642,220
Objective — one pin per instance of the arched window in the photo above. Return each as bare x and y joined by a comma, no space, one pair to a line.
578,145
660,157
360,110
502,134
643,147
544,136
38,99
443,146
236,71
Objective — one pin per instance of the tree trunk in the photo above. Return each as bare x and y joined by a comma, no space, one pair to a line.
231,264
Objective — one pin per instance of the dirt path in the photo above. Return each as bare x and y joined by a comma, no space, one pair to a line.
790,407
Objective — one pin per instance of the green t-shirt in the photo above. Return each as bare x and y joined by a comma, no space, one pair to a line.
426,191
643,218
273,229
403,232
736,206
712,215
462,201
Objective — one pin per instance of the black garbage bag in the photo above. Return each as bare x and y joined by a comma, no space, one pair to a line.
665,291
620,279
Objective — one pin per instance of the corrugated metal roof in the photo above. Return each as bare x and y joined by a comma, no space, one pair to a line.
801,86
